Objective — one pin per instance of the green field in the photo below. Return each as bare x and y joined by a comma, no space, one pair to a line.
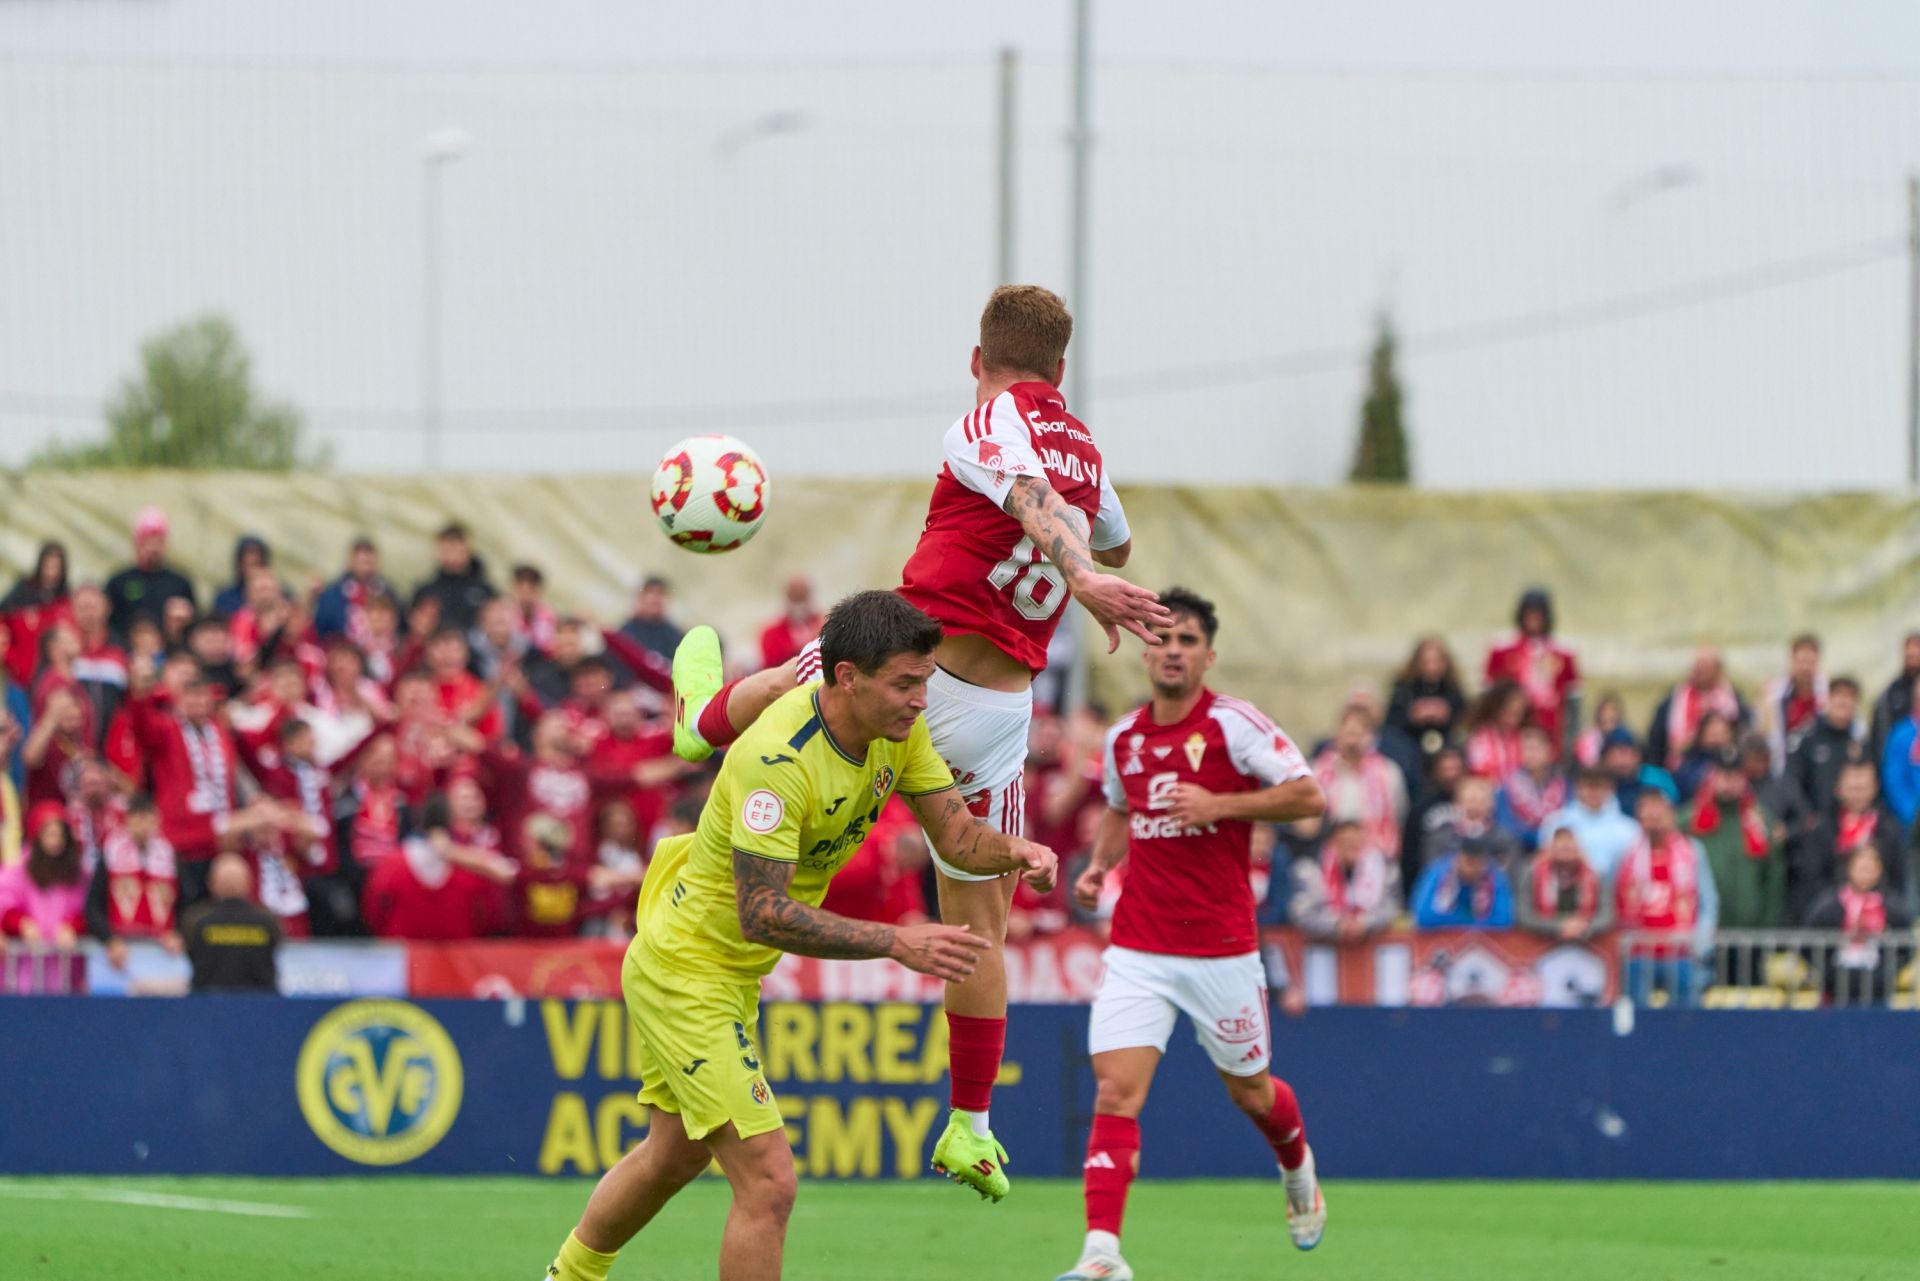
410,1229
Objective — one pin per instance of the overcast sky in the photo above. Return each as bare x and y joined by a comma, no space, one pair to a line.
1631,243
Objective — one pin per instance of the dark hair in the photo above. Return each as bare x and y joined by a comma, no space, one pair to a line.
452,530
655,580
448,632
1409,670
1805,640
1179,600
1535,598
591,663
529,574
868,628
140,803
362,544
1592,776
293,726
1839,683
1485,710
436,813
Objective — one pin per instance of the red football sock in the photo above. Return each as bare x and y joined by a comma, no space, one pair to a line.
713,724
974,1049
1112,1149
1282,1128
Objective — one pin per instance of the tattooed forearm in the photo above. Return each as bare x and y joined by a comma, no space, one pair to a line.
1052,525
771,916
961,839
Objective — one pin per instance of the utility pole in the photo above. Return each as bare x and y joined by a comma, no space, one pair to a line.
1003,237
1081,142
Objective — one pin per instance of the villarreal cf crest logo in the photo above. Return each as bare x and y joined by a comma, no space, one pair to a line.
883,782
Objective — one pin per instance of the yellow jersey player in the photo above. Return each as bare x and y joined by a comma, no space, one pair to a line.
795,797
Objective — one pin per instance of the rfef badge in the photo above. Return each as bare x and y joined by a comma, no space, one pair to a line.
379,1082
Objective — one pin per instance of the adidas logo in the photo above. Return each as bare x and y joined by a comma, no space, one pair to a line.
1099,1161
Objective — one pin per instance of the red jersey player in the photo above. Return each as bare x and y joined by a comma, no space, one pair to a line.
1022,515
1186,777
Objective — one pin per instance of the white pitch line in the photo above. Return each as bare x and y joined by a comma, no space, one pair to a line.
160,1201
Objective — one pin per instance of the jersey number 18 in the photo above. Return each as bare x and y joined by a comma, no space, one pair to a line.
1038,589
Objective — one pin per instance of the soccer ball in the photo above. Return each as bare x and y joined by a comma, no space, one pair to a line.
710,493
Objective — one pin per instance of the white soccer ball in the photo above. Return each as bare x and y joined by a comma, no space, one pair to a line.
710,493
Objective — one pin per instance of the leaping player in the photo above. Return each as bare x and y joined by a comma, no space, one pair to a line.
1186,776
1022,516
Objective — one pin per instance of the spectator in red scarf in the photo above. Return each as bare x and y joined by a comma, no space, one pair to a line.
58,740
1541,666
1743,841
1559,893
37,602
1676,720
1791,703
147,585
95,810
43,897
1361,784
1866,911
1464,888
1350,892
799,623
385,646
194,765
101,666
340,611
1713,737
373,810
59,654
1859,820
1533,792
1609,714
533,619
258,628
347,703
1493,727
1667,897
135,887
1427,697
462,696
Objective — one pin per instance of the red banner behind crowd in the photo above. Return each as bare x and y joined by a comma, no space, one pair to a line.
1441,967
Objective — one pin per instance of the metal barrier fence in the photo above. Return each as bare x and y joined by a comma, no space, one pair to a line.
1770,970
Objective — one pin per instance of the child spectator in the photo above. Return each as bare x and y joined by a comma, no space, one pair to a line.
136,886
1350,892
43,897
1864,910
1464,888
1560,895
1427,697
1609,714
1533,791
1541,666
1493,731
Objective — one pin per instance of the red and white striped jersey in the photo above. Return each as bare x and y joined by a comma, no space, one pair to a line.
1186,890
975,569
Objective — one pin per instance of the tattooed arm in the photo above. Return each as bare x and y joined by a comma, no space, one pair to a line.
1061,533
770,916
971,846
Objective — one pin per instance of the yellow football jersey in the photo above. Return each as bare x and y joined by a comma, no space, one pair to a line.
786,791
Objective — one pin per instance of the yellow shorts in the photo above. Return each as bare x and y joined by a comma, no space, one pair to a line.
700,1047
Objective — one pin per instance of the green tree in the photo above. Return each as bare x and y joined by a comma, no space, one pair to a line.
1381,455
191,404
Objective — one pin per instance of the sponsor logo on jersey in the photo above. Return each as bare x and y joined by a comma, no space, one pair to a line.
379,1082
781,759
834,808
1196,746
1160,752
762,811
693,1067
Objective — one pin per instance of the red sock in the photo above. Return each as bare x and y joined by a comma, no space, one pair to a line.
1111,1151
974,1049
1282,1128
713,724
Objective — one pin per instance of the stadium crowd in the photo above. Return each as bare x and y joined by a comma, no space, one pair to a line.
466,761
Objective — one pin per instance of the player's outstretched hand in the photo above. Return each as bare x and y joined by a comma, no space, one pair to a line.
1086,890
945,951
1118,605
1042,865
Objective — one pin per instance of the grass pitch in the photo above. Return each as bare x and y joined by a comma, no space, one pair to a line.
413,1229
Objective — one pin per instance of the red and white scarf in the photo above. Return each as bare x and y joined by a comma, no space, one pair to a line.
1855,830
1753,824
1494,753
1374,773
142,884
207,755
1661,892
1866,913
1360,889
1531,800
1685,709
1563,889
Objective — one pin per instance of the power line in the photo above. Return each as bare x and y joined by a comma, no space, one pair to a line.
1453,340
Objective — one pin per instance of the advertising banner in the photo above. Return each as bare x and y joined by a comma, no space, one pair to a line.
1446,967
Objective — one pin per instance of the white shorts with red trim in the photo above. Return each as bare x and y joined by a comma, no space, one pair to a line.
1143,993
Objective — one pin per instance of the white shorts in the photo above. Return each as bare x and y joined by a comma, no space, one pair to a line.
982,736
1142,993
